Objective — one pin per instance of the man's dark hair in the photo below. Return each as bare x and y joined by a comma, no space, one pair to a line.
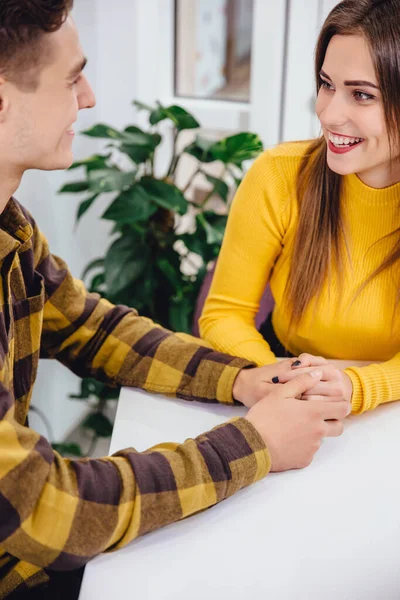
23,28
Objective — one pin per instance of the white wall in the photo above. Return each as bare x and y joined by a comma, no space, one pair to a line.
107,38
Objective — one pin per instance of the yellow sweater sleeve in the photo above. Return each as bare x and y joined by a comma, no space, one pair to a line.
375,384
252,243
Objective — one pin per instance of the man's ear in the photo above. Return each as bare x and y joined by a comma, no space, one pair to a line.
4,99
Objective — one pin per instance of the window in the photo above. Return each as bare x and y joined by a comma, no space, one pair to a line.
213,43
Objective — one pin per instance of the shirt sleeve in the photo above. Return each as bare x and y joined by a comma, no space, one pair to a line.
59,513
375,384
252,243
114,345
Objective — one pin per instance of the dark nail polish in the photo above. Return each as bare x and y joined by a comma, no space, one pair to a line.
275,380
297,363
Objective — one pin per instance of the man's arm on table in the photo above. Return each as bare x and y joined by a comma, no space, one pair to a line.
59,513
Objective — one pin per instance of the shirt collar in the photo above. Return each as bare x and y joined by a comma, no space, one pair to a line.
15,229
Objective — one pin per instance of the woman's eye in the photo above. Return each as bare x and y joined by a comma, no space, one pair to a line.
326,85
362,96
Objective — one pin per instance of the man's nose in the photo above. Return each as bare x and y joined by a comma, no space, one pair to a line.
86,99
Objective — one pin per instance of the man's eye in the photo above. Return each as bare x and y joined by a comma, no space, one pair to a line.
76,81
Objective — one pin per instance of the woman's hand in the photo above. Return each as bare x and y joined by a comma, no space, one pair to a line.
334,384
251,385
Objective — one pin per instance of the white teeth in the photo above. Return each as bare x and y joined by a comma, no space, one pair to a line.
338,140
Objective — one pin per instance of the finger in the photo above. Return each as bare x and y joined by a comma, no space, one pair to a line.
334,428
329,373
301,384
320,398
333,410
327,388
308,360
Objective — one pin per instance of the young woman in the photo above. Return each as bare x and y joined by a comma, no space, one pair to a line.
320,222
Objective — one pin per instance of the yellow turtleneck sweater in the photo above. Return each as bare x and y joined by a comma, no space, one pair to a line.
258,249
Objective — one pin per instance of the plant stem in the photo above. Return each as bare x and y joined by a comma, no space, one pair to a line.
208,196
191,179
173,159
213,190
152,165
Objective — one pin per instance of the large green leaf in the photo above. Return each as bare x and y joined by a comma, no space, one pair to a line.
74,187
97,283
200,149
165,195
153,139
142,106
131,206
214,234
237,148
138,137
97,161
181,314
157,115
97,263
125,261
99,424
178,115
171,271
110,180
103,131
220,187
195,242
68,449
91,387
181,118
84,206
139,154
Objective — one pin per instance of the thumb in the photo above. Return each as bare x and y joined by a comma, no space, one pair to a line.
302,383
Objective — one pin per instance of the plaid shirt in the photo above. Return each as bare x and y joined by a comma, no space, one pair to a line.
57,513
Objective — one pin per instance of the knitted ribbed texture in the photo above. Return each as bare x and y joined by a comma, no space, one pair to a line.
341,324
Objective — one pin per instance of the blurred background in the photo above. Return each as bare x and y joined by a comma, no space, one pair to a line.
236,65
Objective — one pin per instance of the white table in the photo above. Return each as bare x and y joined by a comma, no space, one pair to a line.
328,532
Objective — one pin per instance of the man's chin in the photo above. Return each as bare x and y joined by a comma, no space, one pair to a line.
59,163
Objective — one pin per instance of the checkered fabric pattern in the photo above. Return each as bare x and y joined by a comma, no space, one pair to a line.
55,513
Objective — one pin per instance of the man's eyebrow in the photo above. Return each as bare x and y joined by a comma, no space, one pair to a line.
77,69
352,83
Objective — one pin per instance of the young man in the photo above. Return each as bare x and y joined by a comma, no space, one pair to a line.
56,514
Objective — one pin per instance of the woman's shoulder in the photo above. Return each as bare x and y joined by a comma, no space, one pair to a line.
281,163
292,151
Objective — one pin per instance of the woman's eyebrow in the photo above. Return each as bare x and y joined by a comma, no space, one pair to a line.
353,83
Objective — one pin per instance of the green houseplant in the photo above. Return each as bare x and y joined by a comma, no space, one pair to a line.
144,265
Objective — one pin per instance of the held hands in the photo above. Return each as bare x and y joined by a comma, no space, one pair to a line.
334,384
251,385
293,429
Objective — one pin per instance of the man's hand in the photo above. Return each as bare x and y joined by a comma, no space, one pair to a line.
251,385
334,384
293,429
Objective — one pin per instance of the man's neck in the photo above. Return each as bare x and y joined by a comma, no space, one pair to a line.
8,186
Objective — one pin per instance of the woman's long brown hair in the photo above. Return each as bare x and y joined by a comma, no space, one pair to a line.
320,238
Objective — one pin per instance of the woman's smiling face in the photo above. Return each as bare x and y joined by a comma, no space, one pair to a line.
350,109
